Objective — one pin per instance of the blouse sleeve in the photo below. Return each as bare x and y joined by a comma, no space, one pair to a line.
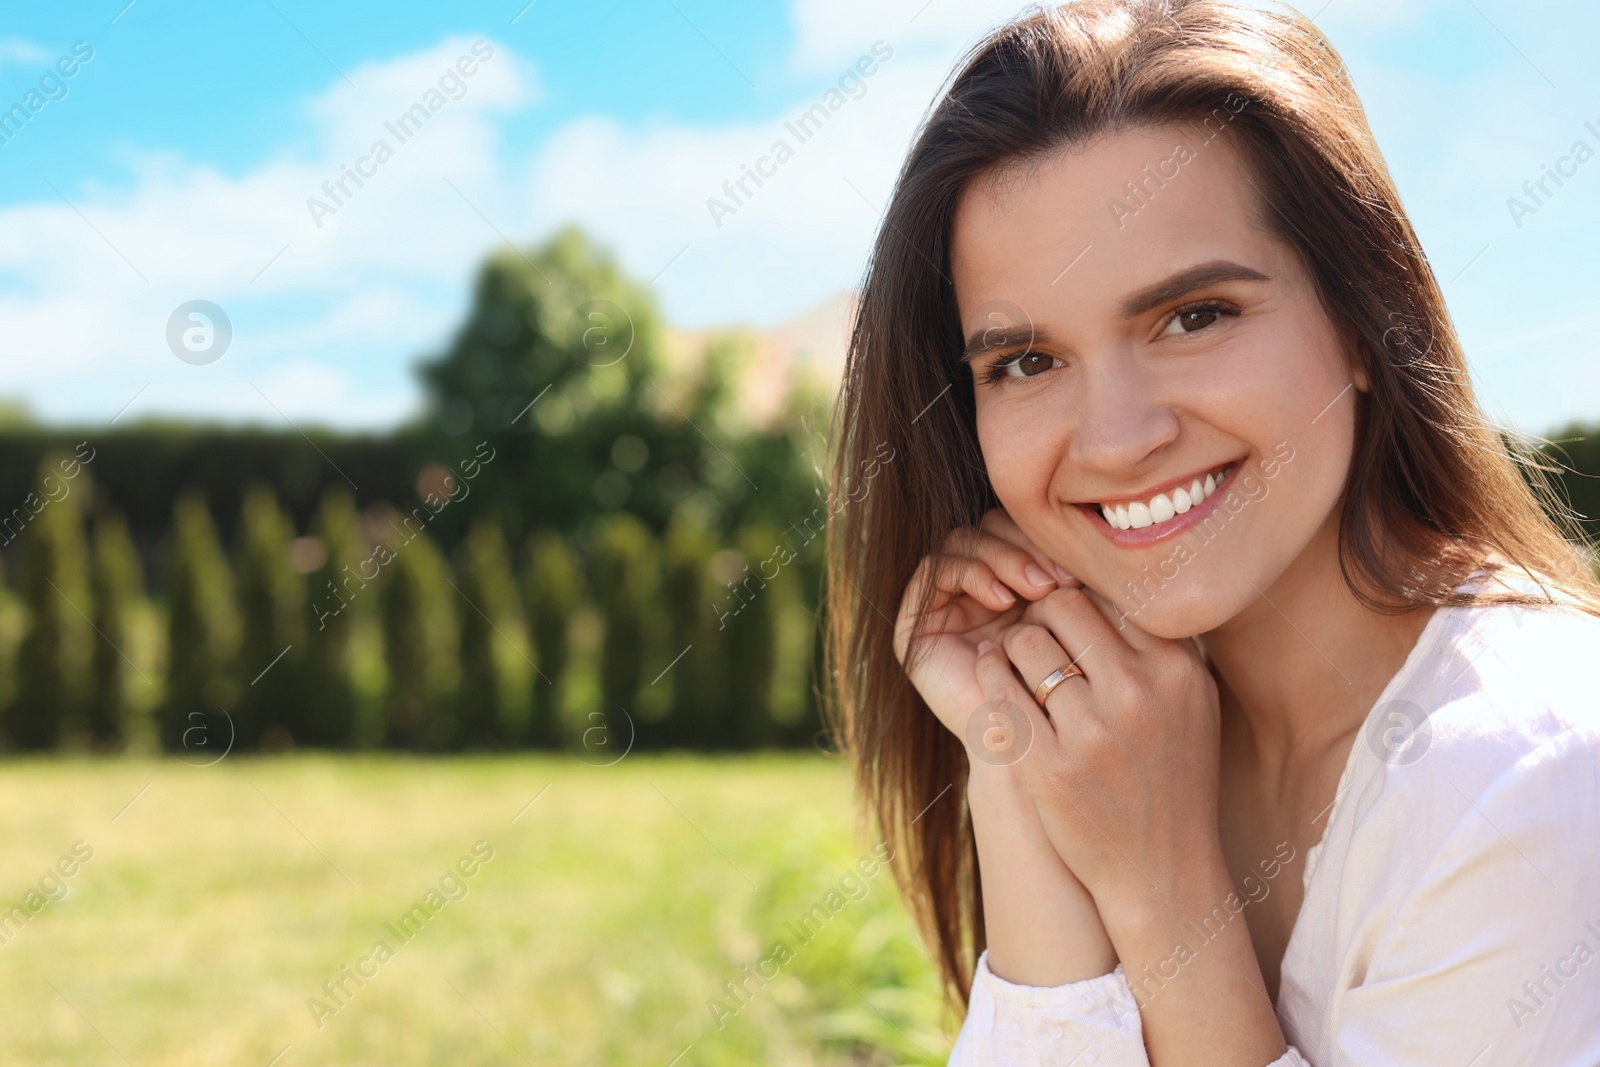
1095,1021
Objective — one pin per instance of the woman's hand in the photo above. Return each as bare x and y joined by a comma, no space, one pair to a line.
1095,815
1123,760
975,578
1122,768
1040,923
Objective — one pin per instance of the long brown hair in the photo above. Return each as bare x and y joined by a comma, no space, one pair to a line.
1434,490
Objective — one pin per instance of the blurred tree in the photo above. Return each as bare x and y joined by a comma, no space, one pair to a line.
272,603
1573,457
488,622
626,582
808,416
339,595
785,459
419,631
752,634
578,404
564,325
53,660
13,617
200,713
551,593
701,714
141,468
118,580
810,730
561,364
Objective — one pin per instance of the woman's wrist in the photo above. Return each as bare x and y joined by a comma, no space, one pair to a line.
1189,960
1139,913
1041,923
989,783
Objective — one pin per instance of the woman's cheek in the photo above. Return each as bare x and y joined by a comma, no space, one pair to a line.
1024,467
1013,485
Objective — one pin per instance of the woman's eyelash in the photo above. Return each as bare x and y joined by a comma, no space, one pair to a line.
1205,307
996,369
1213,306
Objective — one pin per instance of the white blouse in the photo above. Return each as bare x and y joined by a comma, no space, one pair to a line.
1452,908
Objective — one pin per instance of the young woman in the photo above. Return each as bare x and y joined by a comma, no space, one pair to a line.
1236,708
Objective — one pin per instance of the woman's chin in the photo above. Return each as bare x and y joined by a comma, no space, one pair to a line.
1173,617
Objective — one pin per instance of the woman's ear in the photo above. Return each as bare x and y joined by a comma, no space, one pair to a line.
1358,354
1358,369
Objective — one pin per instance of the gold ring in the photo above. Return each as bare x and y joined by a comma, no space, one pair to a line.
1054,679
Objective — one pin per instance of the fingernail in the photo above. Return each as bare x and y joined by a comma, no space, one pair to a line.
1061,573
1003,593
984,646
1037,576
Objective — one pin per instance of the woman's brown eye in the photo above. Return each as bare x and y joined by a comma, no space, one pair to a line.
1197,317
1031,363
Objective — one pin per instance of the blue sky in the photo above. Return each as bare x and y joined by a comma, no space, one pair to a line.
179,162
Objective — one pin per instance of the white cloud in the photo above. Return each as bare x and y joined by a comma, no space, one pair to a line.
86,287
14,49
794,239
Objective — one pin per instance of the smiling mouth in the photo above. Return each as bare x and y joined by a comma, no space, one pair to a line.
1162,508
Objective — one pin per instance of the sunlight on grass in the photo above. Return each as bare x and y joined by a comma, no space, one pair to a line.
212,912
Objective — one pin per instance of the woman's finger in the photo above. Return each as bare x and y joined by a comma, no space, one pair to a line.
1012,563
1009,723
1036,652
973,576
1078,624
998,522
1124,624
948,576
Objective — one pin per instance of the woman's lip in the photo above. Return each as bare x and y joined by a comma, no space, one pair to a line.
1176,483
1155,532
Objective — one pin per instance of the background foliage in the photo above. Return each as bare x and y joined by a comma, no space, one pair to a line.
544,558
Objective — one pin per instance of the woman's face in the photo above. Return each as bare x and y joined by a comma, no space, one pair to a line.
1133,331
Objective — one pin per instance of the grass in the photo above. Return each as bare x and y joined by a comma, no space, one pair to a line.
615,907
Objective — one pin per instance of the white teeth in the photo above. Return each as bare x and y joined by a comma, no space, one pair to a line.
1163,506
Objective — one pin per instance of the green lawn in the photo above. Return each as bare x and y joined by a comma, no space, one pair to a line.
216,906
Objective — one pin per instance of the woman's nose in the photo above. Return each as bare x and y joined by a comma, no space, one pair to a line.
1123,421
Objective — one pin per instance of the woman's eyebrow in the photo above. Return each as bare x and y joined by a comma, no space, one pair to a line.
1188,280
